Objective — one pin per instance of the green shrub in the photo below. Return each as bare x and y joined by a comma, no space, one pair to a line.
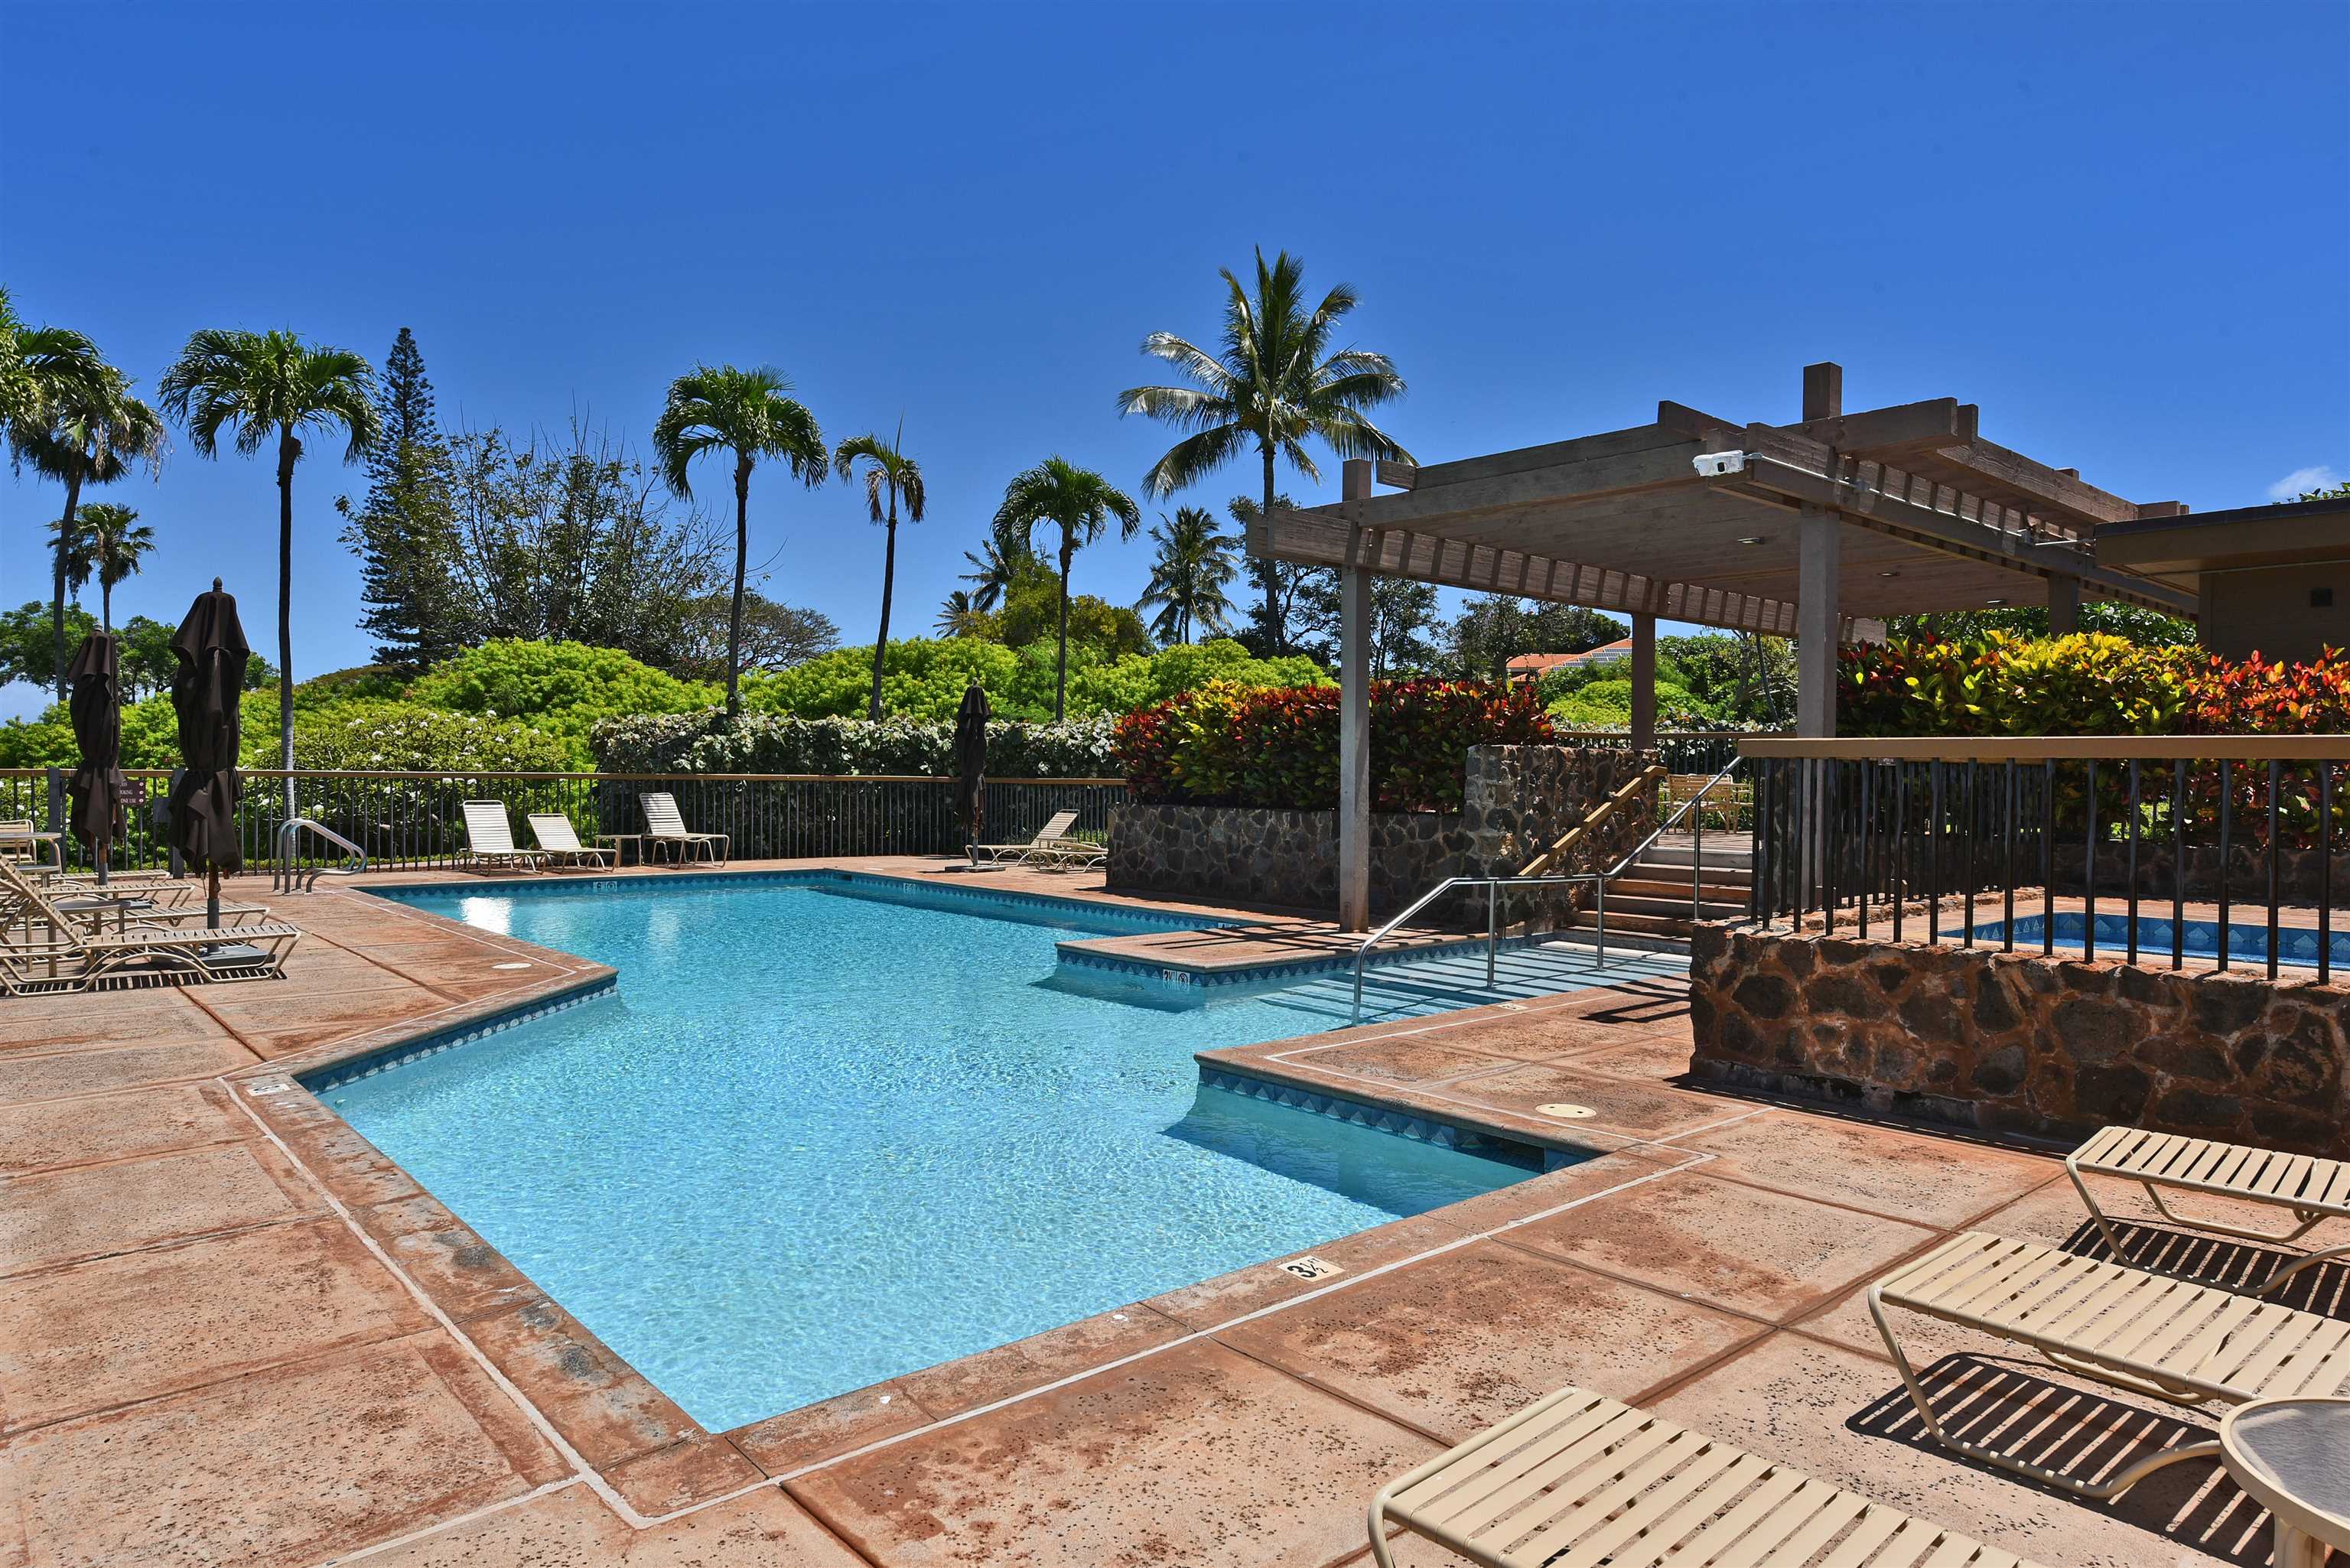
705,742
562,687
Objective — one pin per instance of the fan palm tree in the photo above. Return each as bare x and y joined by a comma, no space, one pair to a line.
889,474
1188,578
1082,503
91,431
960,616
999,565
110,544
747,414
1273,384
255,385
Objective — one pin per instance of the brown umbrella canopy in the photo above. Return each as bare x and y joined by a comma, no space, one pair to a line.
970,763
95,789
211,652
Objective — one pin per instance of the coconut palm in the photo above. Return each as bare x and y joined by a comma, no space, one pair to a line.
1273,384
747,414
89,430
960,616
1188,578
1081,502
889,474
999,565
110,544
256,385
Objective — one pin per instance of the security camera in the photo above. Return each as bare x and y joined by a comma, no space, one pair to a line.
1714,464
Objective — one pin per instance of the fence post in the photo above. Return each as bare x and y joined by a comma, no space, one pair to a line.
56,820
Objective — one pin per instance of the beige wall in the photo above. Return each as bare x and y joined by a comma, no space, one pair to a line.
2269,609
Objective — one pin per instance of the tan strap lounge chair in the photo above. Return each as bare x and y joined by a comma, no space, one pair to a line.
2312,1190
663,825
560,841
26,904
2150,1333
139,952
489,837
1055,832
19,840
1578,1480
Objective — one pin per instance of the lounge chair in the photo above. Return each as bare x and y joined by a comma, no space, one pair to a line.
2313,1191
27,905
664,825
1578,1480
139,951
2150,1333
560,841
489,837
1055,833
19,840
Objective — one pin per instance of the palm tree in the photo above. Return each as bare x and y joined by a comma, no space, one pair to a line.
1188,580
1082,503
1274,383
888,472
110,544
255,385
999,565
91,431
960,616
722,409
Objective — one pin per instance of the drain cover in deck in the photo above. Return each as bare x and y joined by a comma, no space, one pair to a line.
1566,1113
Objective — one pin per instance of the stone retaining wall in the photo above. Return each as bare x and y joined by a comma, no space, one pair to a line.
1517,801
2016,1041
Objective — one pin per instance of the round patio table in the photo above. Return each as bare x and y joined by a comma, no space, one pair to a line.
2293,1456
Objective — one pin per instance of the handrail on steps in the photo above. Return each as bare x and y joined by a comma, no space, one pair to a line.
285,875
1654,772
1492,886
1697,851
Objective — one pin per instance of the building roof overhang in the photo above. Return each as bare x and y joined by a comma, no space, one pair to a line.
2181,551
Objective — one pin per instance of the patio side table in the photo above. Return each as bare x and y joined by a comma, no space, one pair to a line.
619,856
2292,1455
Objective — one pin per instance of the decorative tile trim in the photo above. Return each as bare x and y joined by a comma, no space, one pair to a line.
1528,1157
1074,954
2247,938
1139,917
401,1053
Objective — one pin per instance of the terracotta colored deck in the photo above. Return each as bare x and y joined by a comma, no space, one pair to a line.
233,1333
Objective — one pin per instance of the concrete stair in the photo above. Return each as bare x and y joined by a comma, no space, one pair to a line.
1651,905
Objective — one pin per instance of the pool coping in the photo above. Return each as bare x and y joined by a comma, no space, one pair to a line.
657,1460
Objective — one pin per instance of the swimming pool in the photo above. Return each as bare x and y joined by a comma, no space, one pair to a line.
824,1133
2248,939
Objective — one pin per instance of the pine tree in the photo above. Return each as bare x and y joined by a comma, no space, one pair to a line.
405,532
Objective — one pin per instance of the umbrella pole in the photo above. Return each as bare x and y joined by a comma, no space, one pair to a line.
99,850
211,899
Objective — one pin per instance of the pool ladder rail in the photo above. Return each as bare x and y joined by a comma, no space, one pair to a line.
286,872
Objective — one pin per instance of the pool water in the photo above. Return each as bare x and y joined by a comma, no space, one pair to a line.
823,1135
2248,937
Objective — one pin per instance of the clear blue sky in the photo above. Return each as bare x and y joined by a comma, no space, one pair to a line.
2123,229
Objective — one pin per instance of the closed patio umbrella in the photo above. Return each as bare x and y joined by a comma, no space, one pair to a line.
93,696
970,763
211,653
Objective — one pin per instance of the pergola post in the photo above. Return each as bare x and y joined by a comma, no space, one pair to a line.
2063,606
1818,551
1355,721
1644,682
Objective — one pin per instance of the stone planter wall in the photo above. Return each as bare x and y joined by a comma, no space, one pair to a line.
2015,1042
1518,800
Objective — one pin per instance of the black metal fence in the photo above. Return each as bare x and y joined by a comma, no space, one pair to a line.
2163,849
1681,750
415,819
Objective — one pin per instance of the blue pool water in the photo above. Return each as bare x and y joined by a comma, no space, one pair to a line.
2248,938
822,1136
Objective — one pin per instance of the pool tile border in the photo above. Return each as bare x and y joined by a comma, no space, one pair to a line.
400,1053
1519,1153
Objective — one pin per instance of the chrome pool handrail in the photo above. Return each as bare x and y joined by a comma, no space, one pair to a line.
285,875
1492,886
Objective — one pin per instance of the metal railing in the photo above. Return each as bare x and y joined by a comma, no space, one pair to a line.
285,875
2112,846
1492,886
414,819
1681,750
1697,845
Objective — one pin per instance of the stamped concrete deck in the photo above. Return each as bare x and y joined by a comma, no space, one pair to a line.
233,1333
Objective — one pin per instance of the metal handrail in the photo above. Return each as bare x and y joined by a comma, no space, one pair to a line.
286,878
1492,886
1665,826
1697,848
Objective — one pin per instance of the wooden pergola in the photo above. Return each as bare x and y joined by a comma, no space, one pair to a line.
1816,530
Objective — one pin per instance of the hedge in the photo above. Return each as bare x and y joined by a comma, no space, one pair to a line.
1222,744
706,743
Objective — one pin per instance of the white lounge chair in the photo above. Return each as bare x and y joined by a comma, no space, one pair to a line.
561,841
664,825
2312,1190
1055,833
1578,1480
2167,1338
489,837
